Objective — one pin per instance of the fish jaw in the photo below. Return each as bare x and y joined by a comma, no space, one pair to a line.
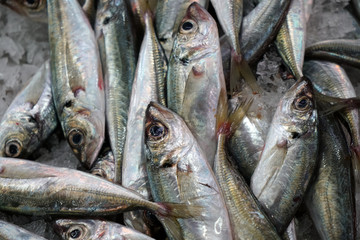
90,128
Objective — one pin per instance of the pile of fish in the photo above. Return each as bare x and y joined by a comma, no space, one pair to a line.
164,116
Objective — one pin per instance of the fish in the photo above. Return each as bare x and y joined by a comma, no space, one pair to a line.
260,27
195,78
92,229
139,8
290,41
116,38
77,80
230,15
308,4
9,231
342,51
247,141
288,160
29,187
246,216
168,16
30,119
331,79
179,172
329,199
150,71
356,5
105,165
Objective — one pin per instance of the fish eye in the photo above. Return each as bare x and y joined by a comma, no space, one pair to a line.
74,233
76,138
31,3
302,103
188,26
13,148
156,131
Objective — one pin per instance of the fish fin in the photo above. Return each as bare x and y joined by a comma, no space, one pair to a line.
179,210
239,67
331,105
227,123
172,227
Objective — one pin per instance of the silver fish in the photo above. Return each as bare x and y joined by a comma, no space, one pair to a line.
105,165
329,199
113,27
150,70
30,118
195,77
289,157
10,231
77,81
89,229
260,27
179,172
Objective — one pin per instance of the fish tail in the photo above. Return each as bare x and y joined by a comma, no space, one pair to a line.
227,123
335,104
239,67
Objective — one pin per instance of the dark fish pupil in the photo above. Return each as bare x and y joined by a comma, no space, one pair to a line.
156,130
302,103
187,26
75,233
77,138
13,149
31,2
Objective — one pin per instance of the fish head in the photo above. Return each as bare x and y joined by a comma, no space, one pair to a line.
167,137
84,132
18,135
78,229
197,35
34,9
298,114
105,166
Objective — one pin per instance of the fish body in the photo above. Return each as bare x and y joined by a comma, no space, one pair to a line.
330,200
247,218
113,27
77,81
260,27
33,188
195,77
30,118
151,69
96,230
290,40
169,14
10,231
289,157
179,172
343,51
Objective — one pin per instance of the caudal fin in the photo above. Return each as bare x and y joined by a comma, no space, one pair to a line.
239,67
333,104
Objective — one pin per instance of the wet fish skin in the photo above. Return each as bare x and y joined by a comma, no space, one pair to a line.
91,229
150,70
169,14
330,200
195,71
113,27
290,40
331,79
343,51
10,231
32,188
105,165
246,216
78,88
289,157
30,119
260,27
179,172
